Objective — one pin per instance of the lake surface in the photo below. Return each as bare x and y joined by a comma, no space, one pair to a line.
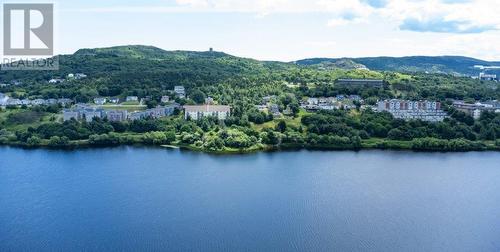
136,199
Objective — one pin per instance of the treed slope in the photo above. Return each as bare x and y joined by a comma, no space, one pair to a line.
438,64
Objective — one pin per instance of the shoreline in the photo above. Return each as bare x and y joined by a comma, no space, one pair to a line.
393,145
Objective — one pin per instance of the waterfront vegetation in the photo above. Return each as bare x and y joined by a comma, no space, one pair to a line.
241,83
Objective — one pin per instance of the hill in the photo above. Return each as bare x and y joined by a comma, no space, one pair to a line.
439,64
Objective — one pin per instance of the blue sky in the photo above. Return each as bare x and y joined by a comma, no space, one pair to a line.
286,29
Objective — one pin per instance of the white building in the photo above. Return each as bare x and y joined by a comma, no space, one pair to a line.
3,99
132,98
197,112
408,110
55,81
165,99
100,101
180,91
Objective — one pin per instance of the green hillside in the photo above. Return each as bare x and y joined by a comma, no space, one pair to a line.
439,64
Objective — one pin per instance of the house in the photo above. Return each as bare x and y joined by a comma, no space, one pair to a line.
80,76
196,112
261,107
312,101
132,99
114,100
100,101
180,91
274,109
165,99
55,81
71,76
64,101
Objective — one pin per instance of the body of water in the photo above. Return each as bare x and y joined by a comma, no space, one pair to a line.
137,199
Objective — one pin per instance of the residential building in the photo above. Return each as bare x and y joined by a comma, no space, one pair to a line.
132,99
487,77
114,100
80,76
64,101
165,99
274,109
91,113
117,115
196,112
180,91
100,101
38,102
3,99
475,109
13,102
408,110
55,81
69,114
154,113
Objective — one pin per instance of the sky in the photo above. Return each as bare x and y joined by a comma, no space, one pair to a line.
285,30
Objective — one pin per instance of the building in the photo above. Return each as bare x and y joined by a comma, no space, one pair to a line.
132,99
38,102
100,101
196,112
114,100
413,110
487,77
69,114
475,110
180,91
55,81
373,83
64,101
165,99
117,115
83,112
80,76
274,109
13,102
3,99
154,113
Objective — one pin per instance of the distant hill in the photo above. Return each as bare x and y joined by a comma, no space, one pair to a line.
137,64
438,64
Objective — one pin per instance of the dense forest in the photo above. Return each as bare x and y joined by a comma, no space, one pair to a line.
242,83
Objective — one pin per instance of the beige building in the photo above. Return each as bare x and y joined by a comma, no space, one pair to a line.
197,112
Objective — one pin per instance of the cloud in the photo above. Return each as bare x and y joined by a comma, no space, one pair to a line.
455,16
443,26
376,3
